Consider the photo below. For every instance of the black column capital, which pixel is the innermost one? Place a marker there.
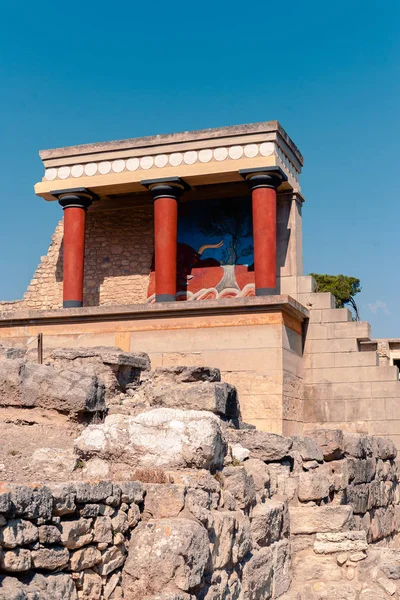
(74, 198)
(263, 177)
(166, 187)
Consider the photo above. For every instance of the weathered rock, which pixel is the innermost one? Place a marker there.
(259, 471)
(240, 485)
(262, 445)
(49, 534)
(230, 538)
(186, 374)
(345, 541)
(159, 438)
(330, 441)
(85, 558)
(384, 448)
(103, 531)
(257, 577)
(163, 500)
(31, 503)
(50, 461)
(166, 552)
(361, 470)
(314, 485)
(307, 448)
(50, 559)
(18, 532)
(93, 492)
(320, 519)
(92, 586)
(132, 491)
(269, 522)
(114, 368)
(64, 495)
(239, 453)
(29, 385)
(282, 568)
(15, 561)
(390, 563)
(219, 398)
(39, 587)
(77, 533)
(111, 559)
(357, 445)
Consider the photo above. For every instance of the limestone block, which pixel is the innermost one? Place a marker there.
(307, 448)
(325, 344)
(330, 441)
(85, 558)
(103, 531)
(307, 566)
(259, 471)
(345, 541)
(230, 538)
(93, 492)
(159, 438)
(163, 500)
(165, 552)
(320, 519)
(40, 587)
(317, 300)
(111, 559)
(30, 502)
(18, 532)
(186, 374)
(330, 315)
(282, 568)
(15, 561)
(384, 448)
(357, 445)
(390, 563)
(314, 485)
(63, 495)
(269, 522)
(49, 534)
(50, 559)
(358, 497)
(92, 586)
(76, 533)
(361, 470)
(219, 398)
(241, 485)
(262, 445)
(29, 385)
(257, 576)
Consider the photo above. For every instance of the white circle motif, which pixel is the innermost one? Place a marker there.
(267, 148)
(205, 156)
(50, 174)
(105, 167)
(118, 165)
(220, 154)
(64, 172)
(132, 164)
(161, 160)
(236, 152)
(251, 150)
(190, 157)
(146, 162)
(175, 159)
(77, 171)
(90, 169)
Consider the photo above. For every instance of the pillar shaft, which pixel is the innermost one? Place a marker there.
(165, 193)
(74, 202)
(264, 234)
(74, 256)
(165, 247)
(264, 183)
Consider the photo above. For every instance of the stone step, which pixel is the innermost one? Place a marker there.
(340, 359)
(317, 300)
(360, 330)
(331, 315)
(350, 374)
(318, 346)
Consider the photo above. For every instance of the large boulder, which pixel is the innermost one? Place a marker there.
(320, 519)
(28, 385)
(163, 437)
(113, 367)
(165, 554)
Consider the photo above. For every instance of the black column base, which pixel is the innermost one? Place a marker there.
(72, 304)
(165, 298)
(265, 291)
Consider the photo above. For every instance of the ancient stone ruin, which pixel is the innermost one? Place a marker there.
(119, 481)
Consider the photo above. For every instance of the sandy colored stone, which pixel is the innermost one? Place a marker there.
(347, 541)
(319, 519)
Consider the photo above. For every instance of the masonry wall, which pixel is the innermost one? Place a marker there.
(118, 255)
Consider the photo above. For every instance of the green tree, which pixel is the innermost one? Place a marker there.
(343, 287)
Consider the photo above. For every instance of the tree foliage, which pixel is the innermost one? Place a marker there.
(343, 287)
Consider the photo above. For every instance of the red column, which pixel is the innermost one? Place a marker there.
(264, 235)
(165, 195)
(75, 205)
(264, 184)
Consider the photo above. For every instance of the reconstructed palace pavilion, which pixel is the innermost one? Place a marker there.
(189, 247)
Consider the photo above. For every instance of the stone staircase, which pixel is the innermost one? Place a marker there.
(344, 385)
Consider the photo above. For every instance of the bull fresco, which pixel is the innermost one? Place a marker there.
(215, 250)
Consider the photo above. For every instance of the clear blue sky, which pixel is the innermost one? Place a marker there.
(81, 72)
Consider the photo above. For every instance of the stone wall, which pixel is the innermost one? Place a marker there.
(118, 255)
